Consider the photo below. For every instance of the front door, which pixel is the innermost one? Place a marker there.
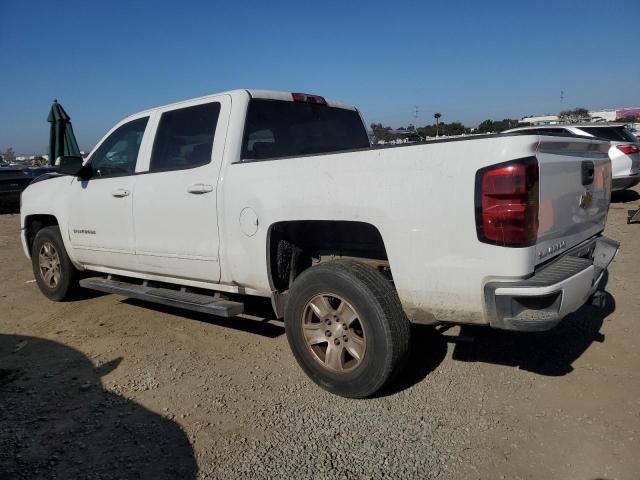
(174, 211)
(100, 212)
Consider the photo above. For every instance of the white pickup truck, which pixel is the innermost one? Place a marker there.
(280, 195)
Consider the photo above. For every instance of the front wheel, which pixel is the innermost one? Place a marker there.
(54, 273)
(346, 327)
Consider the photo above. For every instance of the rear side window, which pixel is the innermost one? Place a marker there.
(613, 134)
(185, 138)
(276, 128)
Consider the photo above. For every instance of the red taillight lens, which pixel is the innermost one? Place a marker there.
(507, 203)
(628, 149)
(303, 97)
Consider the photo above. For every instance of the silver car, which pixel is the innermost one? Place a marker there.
(624, 152)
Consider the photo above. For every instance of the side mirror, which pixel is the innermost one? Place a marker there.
(69, 165)
(74, 166)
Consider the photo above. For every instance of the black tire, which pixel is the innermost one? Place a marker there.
(67, 280)
(386, 337)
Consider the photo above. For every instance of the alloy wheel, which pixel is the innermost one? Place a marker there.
(49, 265)
(334, 333)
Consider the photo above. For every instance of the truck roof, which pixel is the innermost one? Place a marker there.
(252, 93)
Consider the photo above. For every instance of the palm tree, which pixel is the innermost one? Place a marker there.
(437, 116)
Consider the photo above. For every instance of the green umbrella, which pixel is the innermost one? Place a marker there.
(62, 141)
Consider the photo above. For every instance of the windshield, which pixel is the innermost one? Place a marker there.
(277, 128)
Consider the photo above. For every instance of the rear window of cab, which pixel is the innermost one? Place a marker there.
(278, 128)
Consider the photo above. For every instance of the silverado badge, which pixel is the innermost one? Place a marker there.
(556, 247)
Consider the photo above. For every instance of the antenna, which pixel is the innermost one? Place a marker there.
(415, 112)
(561, 96)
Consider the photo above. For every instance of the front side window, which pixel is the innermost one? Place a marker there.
(118, 154)
(185, 138)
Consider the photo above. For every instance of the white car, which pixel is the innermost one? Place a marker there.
(624, 151)
(280, 195)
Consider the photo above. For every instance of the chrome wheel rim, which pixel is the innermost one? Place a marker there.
(49, 265)
(334, 333)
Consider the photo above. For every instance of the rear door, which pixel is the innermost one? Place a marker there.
(575, 189)
(175, 218)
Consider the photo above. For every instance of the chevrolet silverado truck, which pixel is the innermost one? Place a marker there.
(201, 203)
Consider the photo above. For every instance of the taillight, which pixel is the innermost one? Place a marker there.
(305, 98)
(628, 149)
(507, 203)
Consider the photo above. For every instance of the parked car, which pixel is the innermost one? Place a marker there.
(624, 151)
(13, 180)
(280, 195)
(36, 172)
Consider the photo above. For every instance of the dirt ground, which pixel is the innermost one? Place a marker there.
(105, 387)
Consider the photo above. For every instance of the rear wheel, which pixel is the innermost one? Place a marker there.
(346, 328)
(54, 273)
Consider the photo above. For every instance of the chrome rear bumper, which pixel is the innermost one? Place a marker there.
(554, 291)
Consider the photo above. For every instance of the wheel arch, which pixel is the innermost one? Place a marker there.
(295, 245)
(33, 224)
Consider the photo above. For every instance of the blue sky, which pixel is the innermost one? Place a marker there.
(468, 60)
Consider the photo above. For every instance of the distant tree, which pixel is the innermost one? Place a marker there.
(9, 155)
(437, 116)
(411, 128)
(381, 132)
(576, 115)
(491, 126)
(486, 126)
(453, 128)
(427, 131)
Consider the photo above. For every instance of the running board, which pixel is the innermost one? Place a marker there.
(215, 305)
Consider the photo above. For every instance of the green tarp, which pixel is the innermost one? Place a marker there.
(62, 141)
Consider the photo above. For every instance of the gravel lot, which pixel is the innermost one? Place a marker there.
(109, 388)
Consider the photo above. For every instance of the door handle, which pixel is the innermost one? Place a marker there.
(120, 192)
(200, 188)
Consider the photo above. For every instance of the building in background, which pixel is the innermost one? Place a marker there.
(614, 115)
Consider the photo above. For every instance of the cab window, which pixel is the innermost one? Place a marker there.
(118, 154)
(185, 138)
(277, 128)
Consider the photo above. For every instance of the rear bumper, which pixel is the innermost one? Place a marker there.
(556, 290)
(621, 183)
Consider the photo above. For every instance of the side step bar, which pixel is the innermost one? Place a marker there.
(215, 305)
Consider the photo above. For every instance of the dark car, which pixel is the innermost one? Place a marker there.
(13, 180)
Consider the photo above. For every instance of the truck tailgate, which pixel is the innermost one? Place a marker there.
(575, 191)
